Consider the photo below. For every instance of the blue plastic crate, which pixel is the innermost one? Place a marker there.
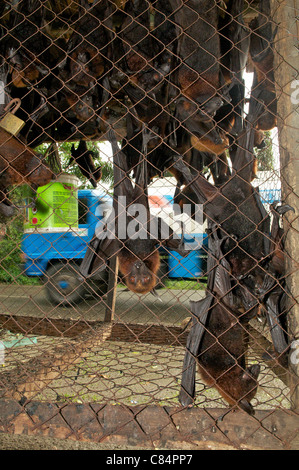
(193, 265)
(268, 196)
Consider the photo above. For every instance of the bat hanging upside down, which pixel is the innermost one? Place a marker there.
(84, 159)
(262, 56)
(216, 342)
(137, 252)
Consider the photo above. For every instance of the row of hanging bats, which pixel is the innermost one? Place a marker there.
(171, 73)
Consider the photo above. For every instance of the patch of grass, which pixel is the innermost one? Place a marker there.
(186, 284)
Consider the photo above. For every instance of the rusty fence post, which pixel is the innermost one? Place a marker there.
(285, 14)
(112, 285)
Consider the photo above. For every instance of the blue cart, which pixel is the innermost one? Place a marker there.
(192, 266)
(56, 256)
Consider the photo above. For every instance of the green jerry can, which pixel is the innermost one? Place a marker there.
(56, 206)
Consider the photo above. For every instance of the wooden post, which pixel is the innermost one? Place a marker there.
(285, 14)
(112, 284)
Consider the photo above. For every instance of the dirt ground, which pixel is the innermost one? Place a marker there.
(171, 308)
(119, 372)
(12, 442)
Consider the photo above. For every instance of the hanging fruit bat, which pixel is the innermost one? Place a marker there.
(216, 341)
(26, 44)
(88, 45)
(262, 56)
(138, 255)
(198, 77)
(143, 54)
(84, 159)
(234, 46)
(272, 292)
(199, 53)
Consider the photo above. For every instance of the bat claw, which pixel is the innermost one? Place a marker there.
(222, 4)
(155, 294)
(185, 399)
(284, 209)
(210, 108)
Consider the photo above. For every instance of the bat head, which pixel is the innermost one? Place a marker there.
(191, 111)
(140, 279)
(140, 269)
(239, 386)
(81, 104)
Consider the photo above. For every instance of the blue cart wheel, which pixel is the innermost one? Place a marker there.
(64, 286)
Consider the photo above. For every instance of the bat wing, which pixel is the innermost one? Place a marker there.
(219, 280)
(166, 237)
(243, 159)
(98, 254)
(106, 244)
(200, 311)
(276, 330)
(122, 183)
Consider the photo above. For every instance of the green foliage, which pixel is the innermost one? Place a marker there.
(68, 166)
(10, 245)
(186, 284)
(10, 260)
(265, 156)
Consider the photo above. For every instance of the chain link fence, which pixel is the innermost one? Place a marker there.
(149, 222)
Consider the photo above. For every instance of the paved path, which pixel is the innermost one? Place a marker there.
(171, 307)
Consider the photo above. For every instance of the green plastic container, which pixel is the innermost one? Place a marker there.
(56, 208)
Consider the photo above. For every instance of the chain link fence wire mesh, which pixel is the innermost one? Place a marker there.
(149, 217)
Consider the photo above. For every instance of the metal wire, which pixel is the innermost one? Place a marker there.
(179, 99)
